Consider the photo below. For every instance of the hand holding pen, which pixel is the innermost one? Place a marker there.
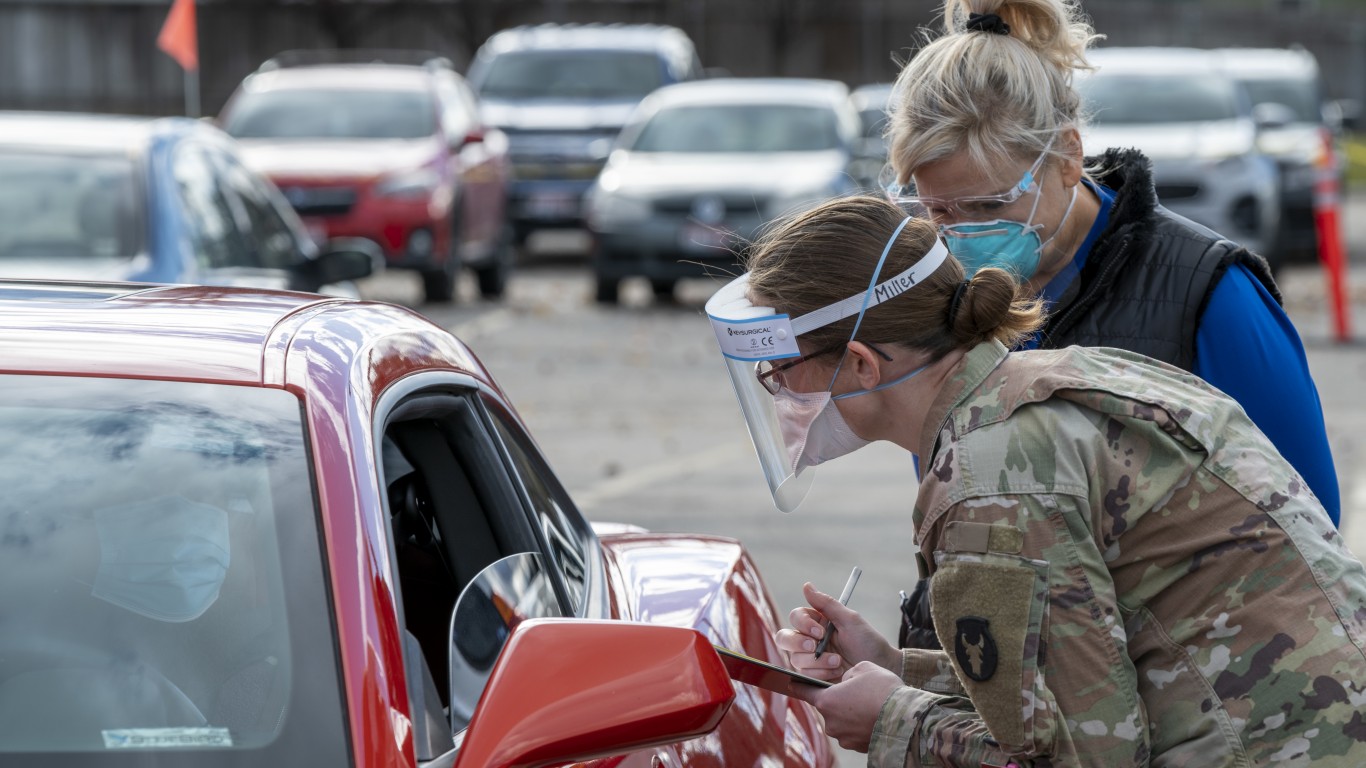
(847, 593)
(812, 626)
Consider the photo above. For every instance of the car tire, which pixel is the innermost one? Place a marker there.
(438, 285)
(607, 290)
(663, 289)
(493, 277)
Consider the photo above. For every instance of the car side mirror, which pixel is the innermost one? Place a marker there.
(570, 690)
(1272, 115)
(350, 258)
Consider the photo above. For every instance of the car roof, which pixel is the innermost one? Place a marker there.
(1246, 63)
(1153, 60)
(871, 96)
(643, 37)
(188, 333)
(751, 90)
(377, 76)
(113, 134)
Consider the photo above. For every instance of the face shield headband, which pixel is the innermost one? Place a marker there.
(749, 334)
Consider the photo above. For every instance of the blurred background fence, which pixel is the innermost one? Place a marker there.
(101, 54)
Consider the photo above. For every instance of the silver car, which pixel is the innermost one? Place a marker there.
(1299, 133)
(702, 166)
(1182, 110)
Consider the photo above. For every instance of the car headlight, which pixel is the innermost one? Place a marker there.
(607, 212)
(413, 184)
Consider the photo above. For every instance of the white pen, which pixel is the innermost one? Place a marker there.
(844, 600)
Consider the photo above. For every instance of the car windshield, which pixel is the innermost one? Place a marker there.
(1300, 95)
(739, 128)
(1129, 99)
(147, 613)
(68, 206)
(573, 75)
(333, 113)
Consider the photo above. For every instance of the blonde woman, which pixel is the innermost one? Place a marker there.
(984, 139)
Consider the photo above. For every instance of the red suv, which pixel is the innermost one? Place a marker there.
(387, 151)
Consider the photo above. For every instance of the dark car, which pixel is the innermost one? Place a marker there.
(561, 93)
(392, 152)
(100, 197)
(245, 528)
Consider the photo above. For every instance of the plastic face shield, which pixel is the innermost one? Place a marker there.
(750, 334)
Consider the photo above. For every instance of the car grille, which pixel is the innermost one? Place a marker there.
(320, 201)
(734, 205)
(556, 170)
(1170, 191)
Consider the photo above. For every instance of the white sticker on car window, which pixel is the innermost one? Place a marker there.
(166, 738)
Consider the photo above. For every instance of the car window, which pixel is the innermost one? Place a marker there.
(148, 600)
(68, 206)
(272, 242)
(454, 511)
(584, 74)
(459, 111)
(1301, 95)
(552, 507)
(333, 113)
(209, 216)
(739, 128)
(1128, 99)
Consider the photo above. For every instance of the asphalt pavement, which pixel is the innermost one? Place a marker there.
(634, 411)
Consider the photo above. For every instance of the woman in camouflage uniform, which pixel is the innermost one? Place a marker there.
(1124, 571)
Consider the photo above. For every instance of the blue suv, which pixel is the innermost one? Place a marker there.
(561, 93)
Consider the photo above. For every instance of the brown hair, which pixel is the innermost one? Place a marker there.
(827, 254)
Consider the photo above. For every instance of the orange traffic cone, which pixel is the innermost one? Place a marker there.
(1328, 228)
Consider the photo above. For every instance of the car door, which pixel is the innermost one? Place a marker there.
(467, 493)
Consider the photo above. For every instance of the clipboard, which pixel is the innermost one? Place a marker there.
(771, 677)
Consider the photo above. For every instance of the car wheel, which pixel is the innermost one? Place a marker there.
(438, 285)
(493, 277)
(663, 289)
(607, 290)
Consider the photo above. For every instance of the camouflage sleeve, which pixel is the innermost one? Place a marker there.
(1025, 609)
(930, 670)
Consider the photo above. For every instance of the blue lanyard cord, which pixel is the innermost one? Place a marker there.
(868, 295)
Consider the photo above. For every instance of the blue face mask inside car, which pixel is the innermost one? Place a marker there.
(165, 558)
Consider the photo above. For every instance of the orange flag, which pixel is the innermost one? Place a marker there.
(179, 38)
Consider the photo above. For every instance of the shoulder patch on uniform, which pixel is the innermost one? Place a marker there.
(975, 648)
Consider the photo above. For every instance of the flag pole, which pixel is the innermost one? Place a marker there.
(192, 92)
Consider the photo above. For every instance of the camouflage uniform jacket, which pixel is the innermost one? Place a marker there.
(1124, 573)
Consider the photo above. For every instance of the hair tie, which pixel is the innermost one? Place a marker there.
(987, 22)
(957, 300)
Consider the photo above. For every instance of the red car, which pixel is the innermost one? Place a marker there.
(255, 528)
(391, 152)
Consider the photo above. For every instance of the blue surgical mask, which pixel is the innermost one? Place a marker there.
(165, 558)
(1009, 245)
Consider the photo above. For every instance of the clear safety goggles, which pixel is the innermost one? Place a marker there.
(954, 209)
(756, 340)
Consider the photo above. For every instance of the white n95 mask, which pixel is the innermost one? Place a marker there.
(164, 559)
(814, 430)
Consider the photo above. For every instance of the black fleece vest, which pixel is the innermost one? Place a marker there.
(1150, 274)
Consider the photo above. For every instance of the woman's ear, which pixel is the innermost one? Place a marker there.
(862, 362)
(1073, 157)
